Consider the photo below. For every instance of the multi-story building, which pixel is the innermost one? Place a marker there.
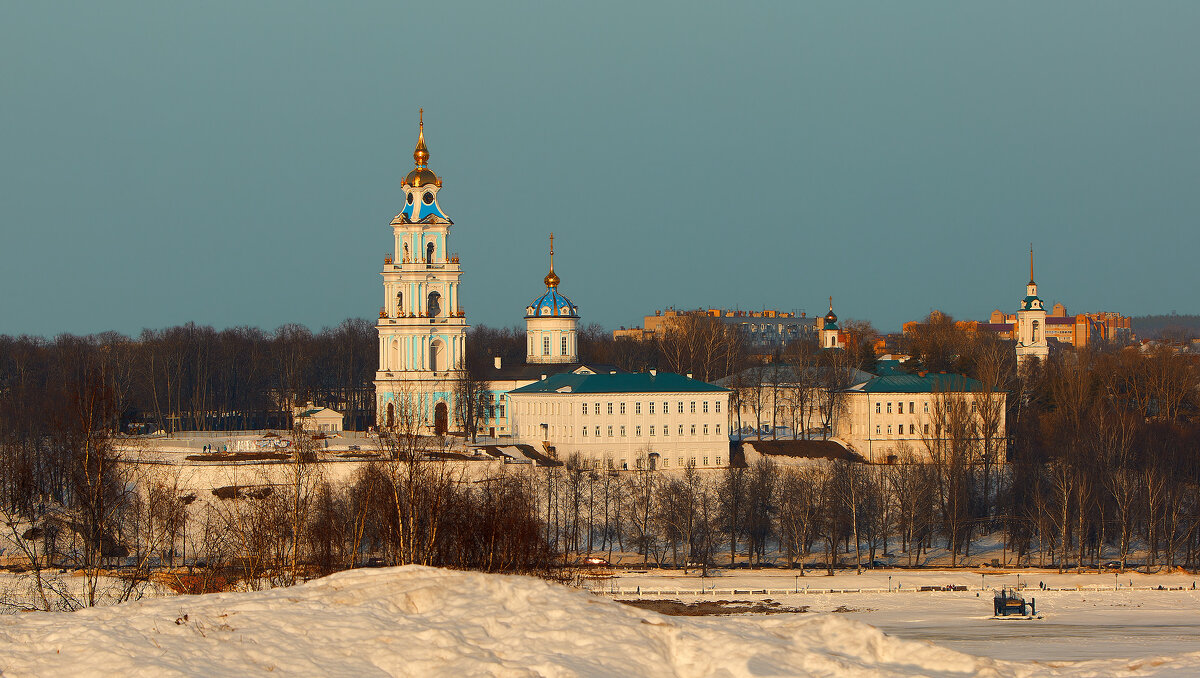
(779, 400)
(655, 420)
(761, 330)
(1076, 330)
(887, 415)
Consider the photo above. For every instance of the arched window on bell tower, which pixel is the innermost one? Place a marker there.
(434, 305)
(437, 357)
(429, 253)
(399, 303)
(1035, 331)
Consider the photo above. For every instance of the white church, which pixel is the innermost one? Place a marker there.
(422, 335)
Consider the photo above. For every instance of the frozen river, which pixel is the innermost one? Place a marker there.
(1131, 621)
(1047, 640)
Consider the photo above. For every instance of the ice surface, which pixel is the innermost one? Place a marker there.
(415, 621)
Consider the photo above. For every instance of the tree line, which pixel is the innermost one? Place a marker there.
(1097, 460)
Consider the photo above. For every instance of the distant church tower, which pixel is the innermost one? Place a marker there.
(550, 324)
(422, 327)
(829, 334)
(1031, 323)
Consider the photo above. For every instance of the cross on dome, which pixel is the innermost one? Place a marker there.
(551, 278)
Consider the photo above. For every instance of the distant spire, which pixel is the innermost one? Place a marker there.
(831, 302)
(1031, 262)
(551, 279)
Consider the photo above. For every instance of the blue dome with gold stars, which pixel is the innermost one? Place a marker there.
(551, 304)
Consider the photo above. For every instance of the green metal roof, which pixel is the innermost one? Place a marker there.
(635, 382)
(888, 368)
(914, 383)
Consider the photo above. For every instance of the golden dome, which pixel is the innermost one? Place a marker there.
(422, 176)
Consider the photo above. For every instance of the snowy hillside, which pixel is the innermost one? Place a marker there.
(415, 621)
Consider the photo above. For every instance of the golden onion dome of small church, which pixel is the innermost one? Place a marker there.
(421, 175)
(831, 317)
(551, 278)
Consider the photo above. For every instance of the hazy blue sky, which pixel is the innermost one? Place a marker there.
(239, 163)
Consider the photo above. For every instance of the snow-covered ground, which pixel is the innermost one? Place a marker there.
(415, 621)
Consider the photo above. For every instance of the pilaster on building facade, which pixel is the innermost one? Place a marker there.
(422, 326)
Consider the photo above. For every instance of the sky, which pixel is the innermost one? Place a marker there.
(240, 163)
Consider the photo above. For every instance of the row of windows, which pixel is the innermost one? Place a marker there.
(666, 407)
(912, 429)
(637, 430)
(911, 407)
(643, 463)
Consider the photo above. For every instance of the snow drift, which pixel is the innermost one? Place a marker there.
(416, 621)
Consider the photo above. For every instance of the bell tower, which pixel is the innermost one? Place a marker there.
(829, 333)
(1031, 323)
(422, 326)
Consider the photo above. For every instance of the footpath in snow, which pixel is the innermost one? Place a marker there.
(415, 621)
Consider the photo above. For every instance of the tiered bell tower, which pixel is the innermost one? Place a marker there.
(1031, 323)
(422, 326)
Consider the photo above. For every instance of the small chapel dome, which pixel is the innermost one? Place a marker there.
(830, 317)
(551, 304)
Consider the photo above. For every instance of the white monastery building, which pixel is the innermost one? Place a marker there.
(625, 421)
(888, 415)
